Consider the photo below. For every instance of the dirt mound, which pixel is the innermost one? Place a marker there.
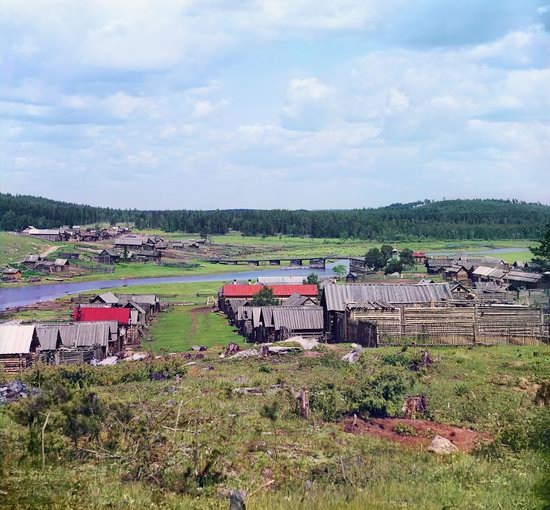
(414, 433)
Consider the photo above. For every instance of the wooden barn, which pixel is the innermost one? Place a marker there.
(107, 256)
(337, 297)
(18, 346)
(276, 323)
(44, 234)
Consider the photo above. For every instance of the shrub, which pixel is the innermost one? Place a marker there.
(379, 395)
(270, 410)
(405, 430)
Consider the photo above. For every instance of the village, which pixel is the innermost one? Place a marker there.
(439, 301)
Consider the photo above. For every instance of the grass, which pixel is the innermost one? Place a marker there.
(14, 248)
(287, 462)
(181, 327)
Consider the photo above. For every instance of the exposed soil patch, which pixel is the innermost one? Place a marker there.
(464, 439)
(195, 312)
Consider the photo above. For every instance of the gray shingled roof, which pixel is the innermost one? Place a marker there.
(298, 318)
(335, 297)
(16, 338)
(49, 337)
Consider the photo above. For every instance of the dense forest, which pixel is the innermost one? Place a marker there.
(448, 219)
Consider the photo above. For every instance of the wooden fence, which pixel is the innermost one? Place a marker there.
(482, 325)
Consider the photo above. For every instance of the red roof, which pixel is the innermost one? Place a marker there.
(246, 291)
(419, 254)
(122, 315)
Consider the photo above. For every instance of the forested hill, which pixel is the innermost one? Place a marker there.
(449, 219)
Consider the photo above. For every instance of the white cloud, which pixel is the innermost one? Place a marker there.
(362, 93)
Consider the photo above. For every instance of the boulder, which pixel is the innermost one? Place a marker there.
(442, 446)
(353, 355)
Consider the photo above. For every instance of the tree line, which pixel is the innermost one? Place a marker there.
(448, 219)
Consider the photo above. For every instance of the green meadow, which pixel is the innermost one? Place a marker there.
(189, 441)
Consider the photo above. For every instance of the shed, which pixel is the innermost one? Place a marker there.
(62, 263)
(11, 274)
(18, 345)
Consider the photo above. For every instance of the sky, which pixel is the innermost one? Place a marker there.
(301, 104)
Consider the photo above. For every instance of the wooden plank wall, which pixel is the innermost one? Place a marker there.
(510, 325)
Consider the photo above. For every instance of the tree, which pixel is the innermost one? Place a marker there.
(264, 298)
(542, 252)
(406, 256)
(374, 259)
(393, 266)
(386, 252)
(125, 253)
(312, 279)
(340, 270)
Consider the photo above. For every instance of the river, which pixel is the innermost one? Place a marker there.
(22, 296)
(28, 295)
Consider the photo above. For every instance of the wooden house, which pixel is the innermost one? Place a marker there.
(135, 243)
(107, 256)
(31, 260)
(106, 298)
(456, 273)
(69, 255)
(145, 256)
(50, 343)
(18, 346)
(88, 236)
(61, 265)
(150, 303)
(82, 341)
(518, 279)
(44, 234)
(11, 274)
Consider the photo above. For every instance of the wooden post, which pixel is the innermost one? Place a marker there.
(43, 438)
(476, 326)
(402, 320)
(304, 403)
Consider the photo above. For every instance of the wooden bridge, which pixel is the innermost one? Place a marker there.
(313, 262)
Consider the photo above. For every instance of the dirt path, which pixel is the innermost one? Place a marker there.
(195, 312)
(464, 439)
(50, 250)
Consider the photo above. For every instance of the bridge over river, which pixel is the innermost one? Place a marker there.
(313, 262)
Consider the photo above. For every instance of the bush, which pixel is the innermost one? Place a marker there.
(405, 430)
(82, 376)
(380, 395)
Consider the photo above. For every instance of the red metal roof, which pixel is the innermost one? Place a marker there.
(122, 315)
(419, 254)
(245, 291)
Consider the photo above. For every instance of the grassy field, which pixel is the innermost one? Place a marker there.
(187, 443)
(181, 327)
(14, 248)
